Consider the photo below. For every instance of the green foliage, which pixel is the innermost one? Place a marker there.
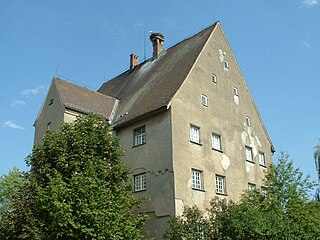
(192, 225)
(79, 187)
(285, 212)
(316, 155)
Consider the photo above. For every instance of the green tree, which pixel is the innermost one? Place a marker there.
(283, 211)
(78, 186)
(16, 219)
(316, 155)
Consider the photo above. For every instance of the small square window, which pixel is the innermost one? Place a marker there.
(251, 187)
(235, 91)
(140, 182)
(139, 136)
(197, 179)
(264, 191)
(248, 121)
(194, 134)
(262, 159)
(216, 141)
(214, 78)
(204, 100)
(249, 156)
(220, 184)
(226, 64)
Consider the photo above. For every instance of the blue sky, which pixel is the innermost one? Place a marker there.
(276, 43)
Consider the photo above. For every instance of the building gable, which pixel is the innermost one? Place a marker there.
(151, 85)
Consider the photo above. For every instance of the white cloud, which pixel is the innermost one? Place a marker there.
(112, 28)
(310, 3)
(138, 25)
(306, 44)
(33, 91)
(17, 103)
(12, 124)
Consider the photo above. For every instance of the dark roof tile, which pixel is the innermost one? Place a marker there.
(152, 84)
(82, 99)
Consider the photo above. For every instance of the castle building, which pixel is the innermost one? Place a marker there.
(186, 121)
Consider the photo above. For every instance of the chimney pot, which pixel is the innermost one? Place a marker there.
(134, 60)
(157, 40)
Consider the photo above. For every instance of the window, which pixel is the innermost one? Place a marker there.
(262, 159)
(194, 134)
(249, 154)
(251, 187)
(214, 78)
(226, 64)
(48, 126)
(216, 141)
(220, 184)
(248, 121)
(139, 136)
(197, 179)
(264, 191)
(140, 183)
(51, 101)
(204, 100)
(235, 91)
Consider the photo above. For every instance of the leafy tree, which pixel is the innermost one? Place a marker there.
(78, 187)
(283, 212)
(316, 155)
(15, 206)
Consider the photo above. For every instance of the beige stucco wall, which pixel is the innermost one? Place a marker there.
(224, 115)
(53, 113)
(155, 159)
(70, 116)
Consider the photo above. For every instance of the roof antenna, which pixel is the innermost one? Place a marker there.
(144, 45)
(57, 70)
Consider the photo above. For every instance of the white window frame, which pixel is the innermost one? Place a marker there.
(251, 187)
(204, 100)
(226, 64)
(216, 141)
(214, 78)
(248, 121)
(221, 184)
(264, 191)
(262, 159)
(140, 182)
(197, 181)
(248, 154)
(194, 134)
(49, 126)
(139, 136)
(235, 91)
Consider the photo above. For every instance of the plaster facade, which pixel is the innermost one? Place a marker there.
(215, 99)
(51, 113)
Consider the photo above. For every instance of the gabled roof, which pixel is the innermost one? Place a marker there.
(150, 86)
(83, 100)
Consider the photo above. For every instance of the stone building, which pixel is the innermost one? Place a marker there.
(186, 120)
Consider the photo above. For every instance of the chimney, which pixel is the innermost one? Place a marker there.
(134, 60)
(157, 40)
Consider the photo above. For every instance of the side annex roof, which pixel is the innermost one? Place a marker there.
(83, 100)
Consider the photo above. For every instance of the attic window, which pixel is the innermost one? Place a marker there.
(226, 64)
(51, 101)
(204, 100)
(214, 78)
(235, 91)
(248, 121)
(48, 126)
